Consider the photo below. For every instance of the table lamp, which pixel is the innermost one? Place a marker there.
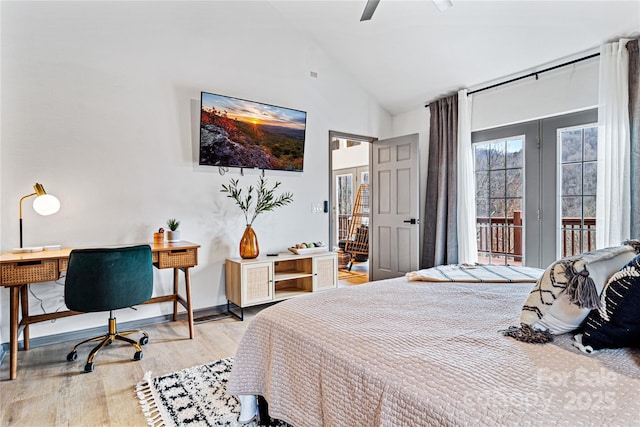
(44, 204)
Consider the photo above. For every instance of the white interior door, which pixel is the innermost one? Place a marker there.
(394, 247)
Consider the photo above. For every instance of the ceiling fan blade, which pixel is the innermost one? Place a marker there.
(443, 5)
(369, 8)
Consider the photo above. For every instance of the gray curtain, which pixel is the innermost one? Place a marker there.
(634, 124)
(440, 245)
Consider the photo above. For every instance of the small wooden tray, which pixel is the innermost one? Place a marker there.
(309, 250)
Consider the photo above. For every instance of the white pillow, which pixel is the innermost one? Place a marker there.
(569, 289)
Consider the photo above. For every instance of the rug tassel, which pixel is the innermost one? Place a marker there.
(150, 410)
(197, 394)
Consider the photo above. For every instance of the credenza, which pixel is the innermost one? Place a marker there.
(275, 278)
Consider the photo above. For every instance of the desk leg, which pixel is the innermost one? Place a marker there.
(187, 285)
(176, 279)
(24, 303)
(14, 296)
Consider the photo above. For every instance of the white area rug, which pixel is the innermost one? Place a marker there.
(190, 397)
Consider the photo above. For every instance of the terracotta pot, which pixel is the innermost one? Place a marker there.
(158, 238)
(249, 244)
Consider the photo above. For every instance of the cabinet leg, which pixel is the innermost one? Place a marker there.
(240, 316)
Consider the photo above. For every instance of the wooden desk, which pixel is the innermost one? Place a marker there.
(18, 270)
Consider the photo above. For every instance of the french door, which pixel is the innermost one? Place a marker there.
(535, 189)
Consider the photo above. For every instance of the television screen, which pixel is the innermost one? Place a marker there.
(246, 134)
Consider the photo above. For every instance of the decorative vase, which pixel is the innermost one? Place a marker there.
(173, 236)
(249, 244)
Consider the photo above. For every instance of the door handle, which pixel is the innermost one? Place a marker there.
(412, 221)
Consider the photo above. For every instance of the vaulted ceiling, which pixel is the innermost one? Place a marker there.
(410, 53)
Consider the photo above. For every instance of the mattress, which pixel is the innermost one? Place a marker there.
(400, 353)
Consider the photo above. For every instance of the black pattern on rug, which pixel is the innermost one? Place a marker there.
(191, 397)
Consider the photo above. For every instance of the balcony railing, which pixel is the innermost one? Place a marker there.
(578, 238)
(503, 236)
(500, 236)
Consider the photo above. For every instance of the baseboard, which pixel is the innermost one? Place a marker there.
(205, 313)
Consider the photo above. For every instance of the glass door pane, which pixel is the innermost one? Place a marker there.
(499, 200)
(577, 177)
(344, 203)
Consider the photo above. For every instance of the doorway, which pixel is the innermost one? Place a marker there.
(349, 199)
(536, 189)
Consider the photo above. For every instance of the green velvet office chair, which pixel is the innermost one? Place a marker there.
(105, 280)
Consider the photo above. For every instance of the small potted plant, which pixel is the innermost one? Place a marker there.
(173, 235)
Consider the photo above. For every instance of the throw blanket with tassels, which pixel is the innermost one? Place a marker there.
(476, 274)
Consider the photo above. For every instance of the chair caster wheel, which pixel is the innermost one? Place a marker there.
(88, 367)
(137, 356)
(144, 341)
(72, 356)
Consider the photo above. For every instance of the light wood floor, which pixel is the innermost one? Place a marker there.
(359, 274)
(51, 391)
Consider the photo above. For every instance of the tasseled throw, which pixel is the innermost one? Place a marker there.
(581, 288)
(635, 244)
(526, 333)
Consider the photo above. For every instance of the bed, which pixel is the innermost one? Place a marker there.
(405, 353)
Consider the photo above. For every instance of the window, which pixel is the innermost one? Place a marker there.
(364, 177)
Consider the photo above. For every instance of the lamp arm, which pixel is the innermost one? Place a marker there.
(25, 197)
(21, 199)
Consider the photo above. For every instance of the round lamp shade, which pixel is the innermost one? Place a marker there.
(46, 204)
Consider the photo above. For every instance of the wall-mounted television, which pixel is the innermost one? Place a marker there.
(246, 134)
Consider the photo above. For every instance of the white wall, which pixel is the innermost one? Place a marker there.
(100, 103)
(567, 89)
(349, 157)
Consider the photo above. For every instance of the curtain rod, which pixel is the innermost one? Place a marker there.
(532, 74)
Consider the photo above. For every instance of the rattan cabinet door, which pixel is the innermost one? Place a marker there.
(325, 272)
(257, 283)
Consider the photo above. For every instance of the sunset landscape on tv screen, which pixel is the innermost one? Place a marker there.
(239, 133)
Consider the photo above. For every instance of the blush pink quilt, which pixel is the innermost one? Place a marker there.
(400, 353)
